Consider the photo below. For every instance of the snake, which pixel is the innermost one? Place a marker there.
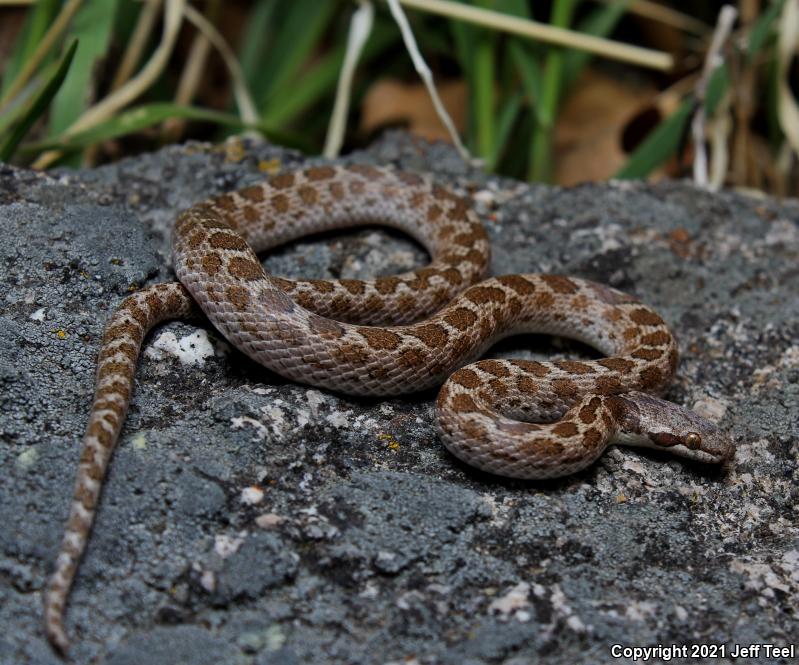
(397, 334)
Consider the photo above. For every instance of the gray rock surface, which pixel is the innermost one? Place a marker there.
(250, 520)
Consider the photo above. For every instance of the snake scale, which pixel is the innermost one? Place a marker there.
(399, 334)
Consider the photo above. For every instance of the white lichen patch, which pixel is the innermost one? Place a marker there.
(139, 442)
(239, 422)
(513, 600)
(252, 495)
(767, 579)
(27, 458)
(269, 520)
(640, 610)
(38, 315)
(225, 545)
(192, 350)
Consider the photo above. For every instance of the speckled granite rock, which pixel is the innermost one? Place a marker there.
(250, 520)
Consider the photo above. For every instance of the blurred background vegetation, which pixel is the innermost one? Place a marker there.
(88, 81)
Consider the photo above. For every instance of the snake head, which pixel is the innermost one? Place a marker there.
(655, 423)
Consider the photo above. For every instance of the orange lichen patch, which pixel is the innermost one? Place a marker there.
(320, 173)
(238, 296)
(647, 354)
(619, 365)
(222, 240)
(308, 194)
(481, 295)
(574, 367)
(211, 263)
(565, 429)
(646, 317)
(559, 284)
(431, 335)
(280, 203)
(354, 286)
(518, 283)
(244, 268)
(254, 193)
(380, 339)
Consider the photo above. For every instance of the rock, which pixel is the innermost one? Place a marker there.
(381, 546)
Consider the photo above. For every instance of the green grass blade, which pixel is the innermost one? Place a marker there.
(39, 105)
(36, 24)
(300, 31)
(483, 103)
(255, 46)
(464, 36)
(599, 23)
(321, 79)
(541, 149)
(506, 120)
(149, 115)
(92, 26)
(134, 120)
(762, 28)
(659, 145)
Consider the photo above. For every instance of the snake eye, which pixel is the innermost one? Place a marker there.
(693, 440)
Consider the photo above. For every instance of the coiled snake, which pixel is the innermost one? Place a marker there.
(514, 418)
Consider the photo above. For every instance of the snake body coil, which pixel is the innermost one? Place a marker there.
(515, 418)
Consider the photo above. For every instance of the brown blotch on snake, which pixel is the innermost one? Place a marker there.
(364, 357)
